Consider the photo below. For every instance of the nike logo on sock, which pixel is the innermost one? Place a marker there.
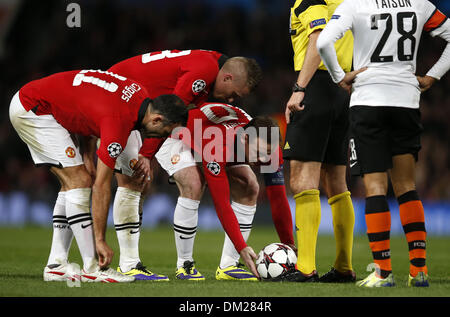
(85, 226)
(184, 238)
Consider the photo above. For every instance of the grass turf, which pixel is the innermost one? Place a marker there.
(24, 253)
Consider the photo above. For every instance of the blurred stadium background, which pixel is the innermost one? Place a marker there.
(35, 41)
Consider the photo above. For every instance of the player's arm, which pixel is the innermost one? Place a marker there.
(438, 25)
(101, 197)
(314, 18)
(341, 22)
(195, 80)
(220, 192)
(113, 141)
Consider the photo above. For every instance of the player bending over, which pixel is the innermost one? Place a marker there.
(195, 76)
(46, 113)
(219, 135)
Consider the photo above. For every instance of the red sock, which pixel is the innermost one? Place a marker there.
(281, 213)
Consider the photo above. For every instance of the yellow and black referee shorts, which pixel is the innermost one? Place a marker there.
(320, 132)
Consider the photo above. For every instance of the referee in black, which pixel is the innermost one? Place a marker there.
(317, 143)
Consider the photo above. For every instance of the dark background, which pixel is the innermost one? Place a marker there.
(38, 42)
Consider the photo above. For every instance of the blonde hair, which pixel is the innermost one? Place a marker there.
(246, 67)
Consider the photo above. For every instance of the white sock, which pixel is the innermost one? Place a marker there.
(62, 234)
(127, 224)
(244, 215)
(80, 221)
(185, 220)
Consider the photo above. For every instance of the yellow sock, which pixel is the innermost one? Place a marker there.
(343, 223)
(307, 221)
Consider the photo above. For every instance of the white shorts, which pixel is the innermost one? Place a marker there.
(48, 141)
(51, 144)
(174, 156)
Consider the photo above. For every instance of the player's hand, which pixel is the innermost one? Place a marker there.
(294, 104)
(249, 257)
(425, 82)
(347, 82)
(105, 254)
(142, 169)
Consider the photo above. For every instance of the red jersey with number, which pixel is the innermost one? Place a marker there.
(211, 134)
(90, 102)
(189, 74)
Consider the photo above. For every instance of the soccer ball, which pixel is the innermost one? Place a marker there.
(274, 260)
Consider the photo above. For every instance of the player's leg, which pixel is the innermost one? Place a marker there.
(371, 160)
(339, 199)
(304, 182)
(412, 217)
(406, 145)
(279, 205)
(334, 172)
(190, 183)
(244, 188)
(127, 212)
(77, 182)
(62, 234)
(177, 160)
(307, 137)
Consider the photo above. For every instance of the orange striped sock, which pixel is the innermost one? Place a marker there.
(378, 221)
(413, 221)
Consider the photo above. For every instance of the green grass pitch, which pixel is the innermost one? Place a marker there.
(24, 253)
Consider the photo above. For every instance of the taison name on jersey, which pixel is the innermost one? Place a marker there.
(387, 4)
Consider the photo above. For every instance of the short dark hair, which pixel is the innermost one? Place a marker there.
(171, 107)
(264, 122)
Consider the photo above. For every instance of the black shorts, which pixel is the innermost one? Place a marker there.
(319, 133)
(379, 133)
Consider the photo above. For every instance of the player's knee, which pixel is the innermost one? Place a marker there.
(297, 186)
(191, 188)
(129, 182)
(84, 180)
(403, 187)
(73, 177)
(252, 188)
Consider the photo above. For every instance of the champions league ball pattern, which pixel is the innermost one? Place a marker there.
(114, 149)
(274, 260)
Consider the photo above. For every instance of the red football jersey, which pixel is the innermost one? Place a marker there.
(211, 134)
(90, 102)
(189, 74)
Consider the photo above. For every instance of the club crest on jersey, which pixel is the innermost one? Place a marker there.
(114, 149)
(70, 152)
(132, 163)
(198, 85)
(175, 159)
(213, 167)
